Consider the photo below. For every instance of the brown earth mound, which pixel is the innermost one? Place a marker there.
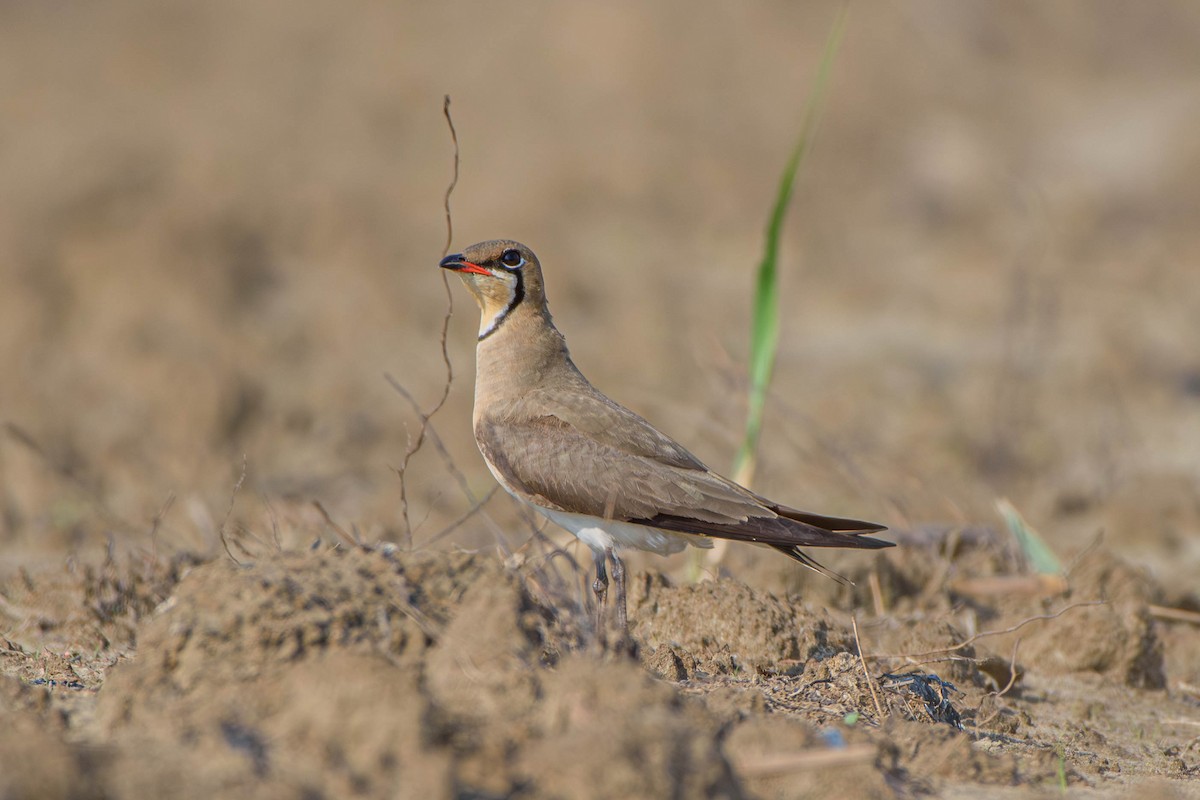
(374, 673)
(361, 673)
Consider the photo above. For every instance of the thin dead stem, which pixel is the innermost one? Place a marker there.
(1012, 680)
(452, 467)
(434, 438)
(71, 475)
(416, 615)
(229, 512)
(552, 553)
(338, 529)
(876, 592)
(1175, 614)
(245, 532)
(276, 538)
(788, 763)
(414, 445)
(863, 661)
(1012, 670)
(454, 179)
(1092, 546)
(985, 634)
(157, 522)
(475, 508)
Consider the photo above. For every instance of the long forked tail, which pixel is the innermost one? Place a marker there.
(845, 533)
(810, 562)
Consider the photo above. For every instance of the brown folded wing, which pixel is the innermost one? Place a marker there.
(653, 482)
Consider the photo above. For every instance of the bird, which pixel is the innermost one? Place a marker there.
(556, 443)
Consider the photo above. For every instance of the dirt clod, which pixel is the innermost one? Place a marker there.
(729, 627)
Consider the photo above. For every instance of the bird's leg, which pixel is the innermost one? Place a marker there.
(618, 573)
(600, 588)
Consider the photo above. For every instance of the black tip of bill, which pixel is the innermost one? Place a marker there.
(452, 261)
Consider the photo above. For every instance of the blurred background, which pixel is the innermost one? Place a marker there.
(220, 225)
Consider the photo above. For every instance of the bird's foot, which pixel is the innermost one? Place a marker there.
(600, 590)
(623, 643)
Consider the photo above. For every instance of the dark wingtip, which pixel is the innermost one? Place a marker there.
(835, 524)
(868, 543)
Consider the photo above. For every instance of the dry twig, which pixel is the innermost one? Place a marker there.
(1037, 585)
(415, 445)
(985, 634)
(1188, 688)
(1012, 669)
(476, 507)
(157, 521)
(863, 661)
(876, 592)
(276, 539)
(71, 474)
(432, 433)
(229, 512)
(783, 764)
(1175, 614)
(1012, 680)
(338, 529)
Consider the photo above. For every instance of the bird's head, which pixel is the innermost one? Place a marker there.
(502, 275)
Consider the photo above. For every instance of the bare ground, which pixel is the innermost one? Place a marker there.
(344, 671)
(219, 226)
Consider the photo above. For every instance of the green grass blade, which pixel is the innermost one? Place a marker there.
(764, 341)
(1037, 553)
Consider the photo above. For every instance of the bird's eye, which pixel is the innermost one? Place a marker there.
(511, 258)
